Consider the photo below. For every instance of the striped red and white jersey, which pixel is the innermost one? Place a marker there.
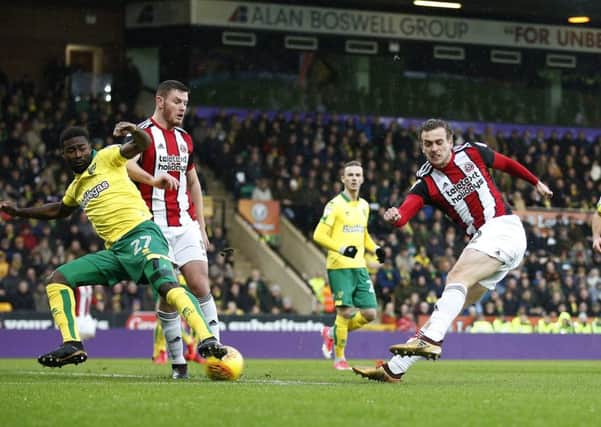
(464, 189)
(170, 152)
(83, 300)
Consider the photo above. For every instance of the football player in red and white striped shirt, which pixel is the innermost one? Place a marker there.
(457, 181)
(169, 184)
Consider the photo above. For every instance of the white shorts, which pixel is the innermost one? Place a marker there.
(86, 325)
(185, 243)
(502, 238)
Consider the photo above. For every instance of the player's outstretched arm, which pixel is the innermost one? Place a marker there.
(140, 139)
(518, 170)
(408, 209)
(138, 174)
(48, 211)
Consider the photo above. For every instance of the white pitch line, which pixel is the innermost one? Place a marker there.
(166, 380)
(86, 374)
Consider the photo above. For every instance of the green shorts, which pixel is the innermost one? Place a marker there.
(352, 287)
(141, 255)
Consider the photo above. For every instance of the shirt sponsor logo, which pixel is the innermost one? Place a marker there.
(465, 186)
(352, 229)
(173, 163)
(93, 193)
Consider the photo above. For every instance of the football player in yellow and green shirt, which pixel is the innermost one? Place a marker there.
(135, 247)
(343, 232)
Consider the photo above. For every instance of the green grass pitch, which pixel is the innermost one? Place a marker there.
(303, 393)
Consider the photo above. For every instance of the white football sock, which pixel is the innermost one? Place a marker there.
(209, 310)
(400, 364)
(447, 308)
(172, 328)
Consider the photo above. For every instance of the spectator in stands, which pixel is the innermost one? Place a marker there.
(564, 324)
(544, 324)
(12, 279)
(287, 307)
(22, 298)
(275, 300)
(501, 325)
(218, 243)
(262, 192)
(387, 278)
(481, 325)
(256, 279)
(388, 315)
(252, 302)
(521, 324)
(582, 324)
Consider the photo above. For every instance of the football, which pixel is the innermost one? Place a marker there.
(229, 368)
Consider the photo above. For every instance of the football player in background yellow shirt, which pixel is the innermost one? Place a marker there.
(342, 230)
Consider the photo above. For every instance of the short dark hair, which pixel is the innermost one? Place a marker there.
(432, 124)
(73, 132)
(168, 85)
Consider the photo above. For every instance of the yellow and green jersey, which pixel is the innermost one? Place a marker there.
(344, 223)
(599, 206)
(109, 198)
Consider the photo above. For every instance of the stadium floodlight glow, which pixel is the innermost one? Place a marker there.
(579, 19)
(108, 88)
(443, 4)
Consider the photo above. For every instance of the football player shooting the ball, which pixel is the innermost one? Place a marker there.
(457, 181)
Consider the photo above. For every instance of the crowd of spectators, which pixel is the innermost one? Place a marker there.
(410, 85)
(32, 172)
(298, 160)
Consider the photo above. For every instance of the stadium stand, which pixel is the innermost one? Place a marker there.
(301, 157)
(32, 171)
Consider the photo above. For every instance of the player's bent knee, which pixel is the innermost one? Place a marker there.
(165, 288)
(57, 277)
(346, 312)
(369, 314)
(200, 288)
(159, 272)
